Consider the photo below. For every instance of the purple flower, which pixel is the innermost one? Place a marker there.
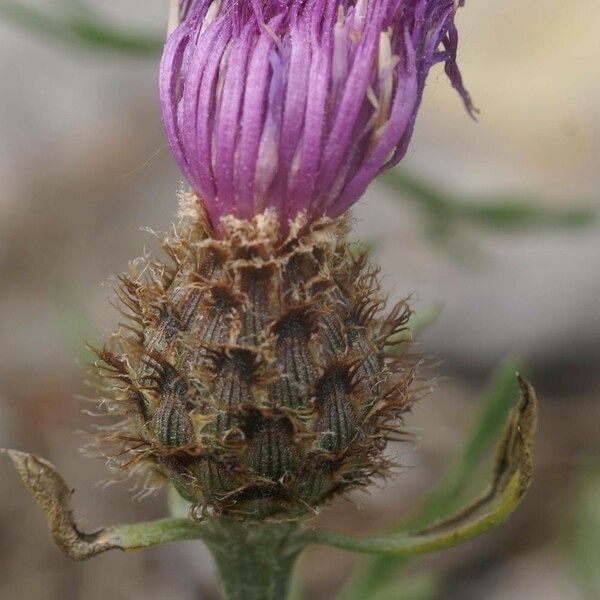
(296, 105)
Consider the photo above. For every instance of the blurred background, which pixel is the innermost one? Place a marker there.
(492, 226)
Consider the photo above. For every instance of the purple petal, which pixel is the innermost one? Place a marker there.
(297, 105)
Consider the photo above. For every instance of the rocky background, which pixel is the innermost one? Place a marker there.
(83, 165)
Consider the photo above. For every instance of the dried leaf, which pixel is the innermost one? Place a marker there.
(54, 497)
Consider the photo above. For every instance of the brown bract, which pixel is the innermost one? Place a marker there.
(260, 375)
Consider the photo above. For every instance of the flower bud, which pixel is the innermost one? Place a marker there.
(260, 376)
(296, 105)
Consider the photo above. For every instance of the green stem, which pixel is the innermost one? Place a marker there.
(153, 533)
(254, 561)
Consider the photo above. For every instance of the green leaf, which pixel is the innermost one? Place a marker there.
(416, 587)
(71, 319)
(510, 481)
(445, 211)
(495, 404)
(77, 24)
(31, 18)
(514, 213)
(583, 533)
(435, 203)
(422, 319)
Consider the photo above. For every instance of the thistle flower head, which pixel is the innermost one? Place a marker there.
(296, 105)
(262, 375)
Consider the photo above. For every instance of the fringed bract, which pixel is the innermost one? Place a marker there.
(259, 380)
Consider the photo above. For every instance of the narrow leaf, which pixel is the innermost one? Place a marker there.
(583, 533)
(511, 479)
(416, 587)
(81, 26)
(445, 210)
(495, 404)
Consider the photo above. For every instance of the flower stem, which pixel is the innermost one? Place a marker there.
(254, 561)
